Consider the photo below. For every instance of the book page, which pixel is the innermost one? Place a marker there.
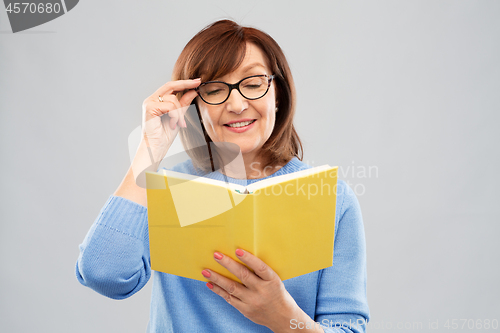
(196, 198)
(283, 178)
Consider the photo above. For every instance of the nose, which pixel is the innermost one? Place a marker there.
(236, 103)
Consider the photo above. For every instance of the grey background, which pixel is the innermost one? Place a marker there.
(409, 88)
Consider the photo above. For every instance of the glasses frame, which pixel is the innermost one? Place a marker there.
(237, 87)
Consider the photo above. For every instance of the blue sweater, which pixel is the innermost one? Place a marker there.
(114, 261)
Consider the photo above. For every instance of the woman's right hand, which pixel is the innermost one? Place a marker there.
(161, 120)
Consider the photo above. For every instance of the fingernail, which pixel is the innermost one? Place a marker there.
(239, 252)
(205, 273)
(217, 256)
(209, 285)
(197, 79)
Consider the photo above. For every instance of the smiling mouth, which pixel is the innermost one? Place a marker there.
(241, 124)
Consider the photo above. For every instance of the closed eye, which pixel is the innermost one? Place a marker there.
(214, 92)
(253, 86)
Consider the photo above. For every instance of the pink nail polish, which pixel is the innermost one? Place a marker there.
(205, 273)
(239, 252)
(217, 256)
(209, 285)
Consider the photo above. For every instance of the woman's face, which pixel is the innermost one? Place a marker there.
(237, 108)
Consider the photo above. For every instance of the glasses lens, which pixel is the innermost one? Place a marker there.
(254, 87)
(214, 92)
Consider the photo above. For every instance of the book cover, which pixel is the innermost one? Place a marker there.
(287, 221)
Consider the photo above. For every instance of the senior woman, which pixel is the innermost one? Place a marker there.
(241, 82)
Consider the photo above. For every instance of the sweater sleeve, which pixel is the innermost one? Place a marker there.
(114, 256)
(342, 304)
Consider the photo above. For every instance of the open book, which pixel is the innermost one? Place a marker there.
(288, 221)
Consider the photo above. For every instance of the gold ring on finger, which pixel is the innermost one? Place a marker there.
(160, 98)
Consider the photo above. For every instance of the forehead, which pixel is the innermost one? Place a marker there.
(254, 56)
(254, 61)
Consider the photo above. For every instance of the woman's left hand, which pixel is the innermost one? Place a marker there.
(261, 298)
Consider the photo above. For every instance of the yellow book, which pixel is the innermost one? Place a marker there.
(287, 221)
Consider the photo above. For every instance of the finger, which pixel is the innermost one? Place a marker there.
(176, 118)
(179, 112)
(176, 86)
(234, 301)
(182, 121)
(182, 106)
(172, 99)
(188, 97)
(240, 271)
(170, 106)
(176, 115)
(160, 108)
(259, 267)
(172, 123)
(186, 101)
(231, 287)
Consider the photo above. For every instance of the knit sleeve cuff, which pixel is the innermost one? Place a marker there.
(125, 216)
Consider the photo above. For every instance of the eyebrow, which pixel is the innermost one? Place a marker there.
(255, 64)
(245, 69)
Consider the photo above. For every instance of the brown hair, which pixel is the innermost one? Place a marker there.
(218, 50)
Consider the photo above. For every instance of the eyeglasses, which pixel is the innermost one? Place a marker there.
(252, 87)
